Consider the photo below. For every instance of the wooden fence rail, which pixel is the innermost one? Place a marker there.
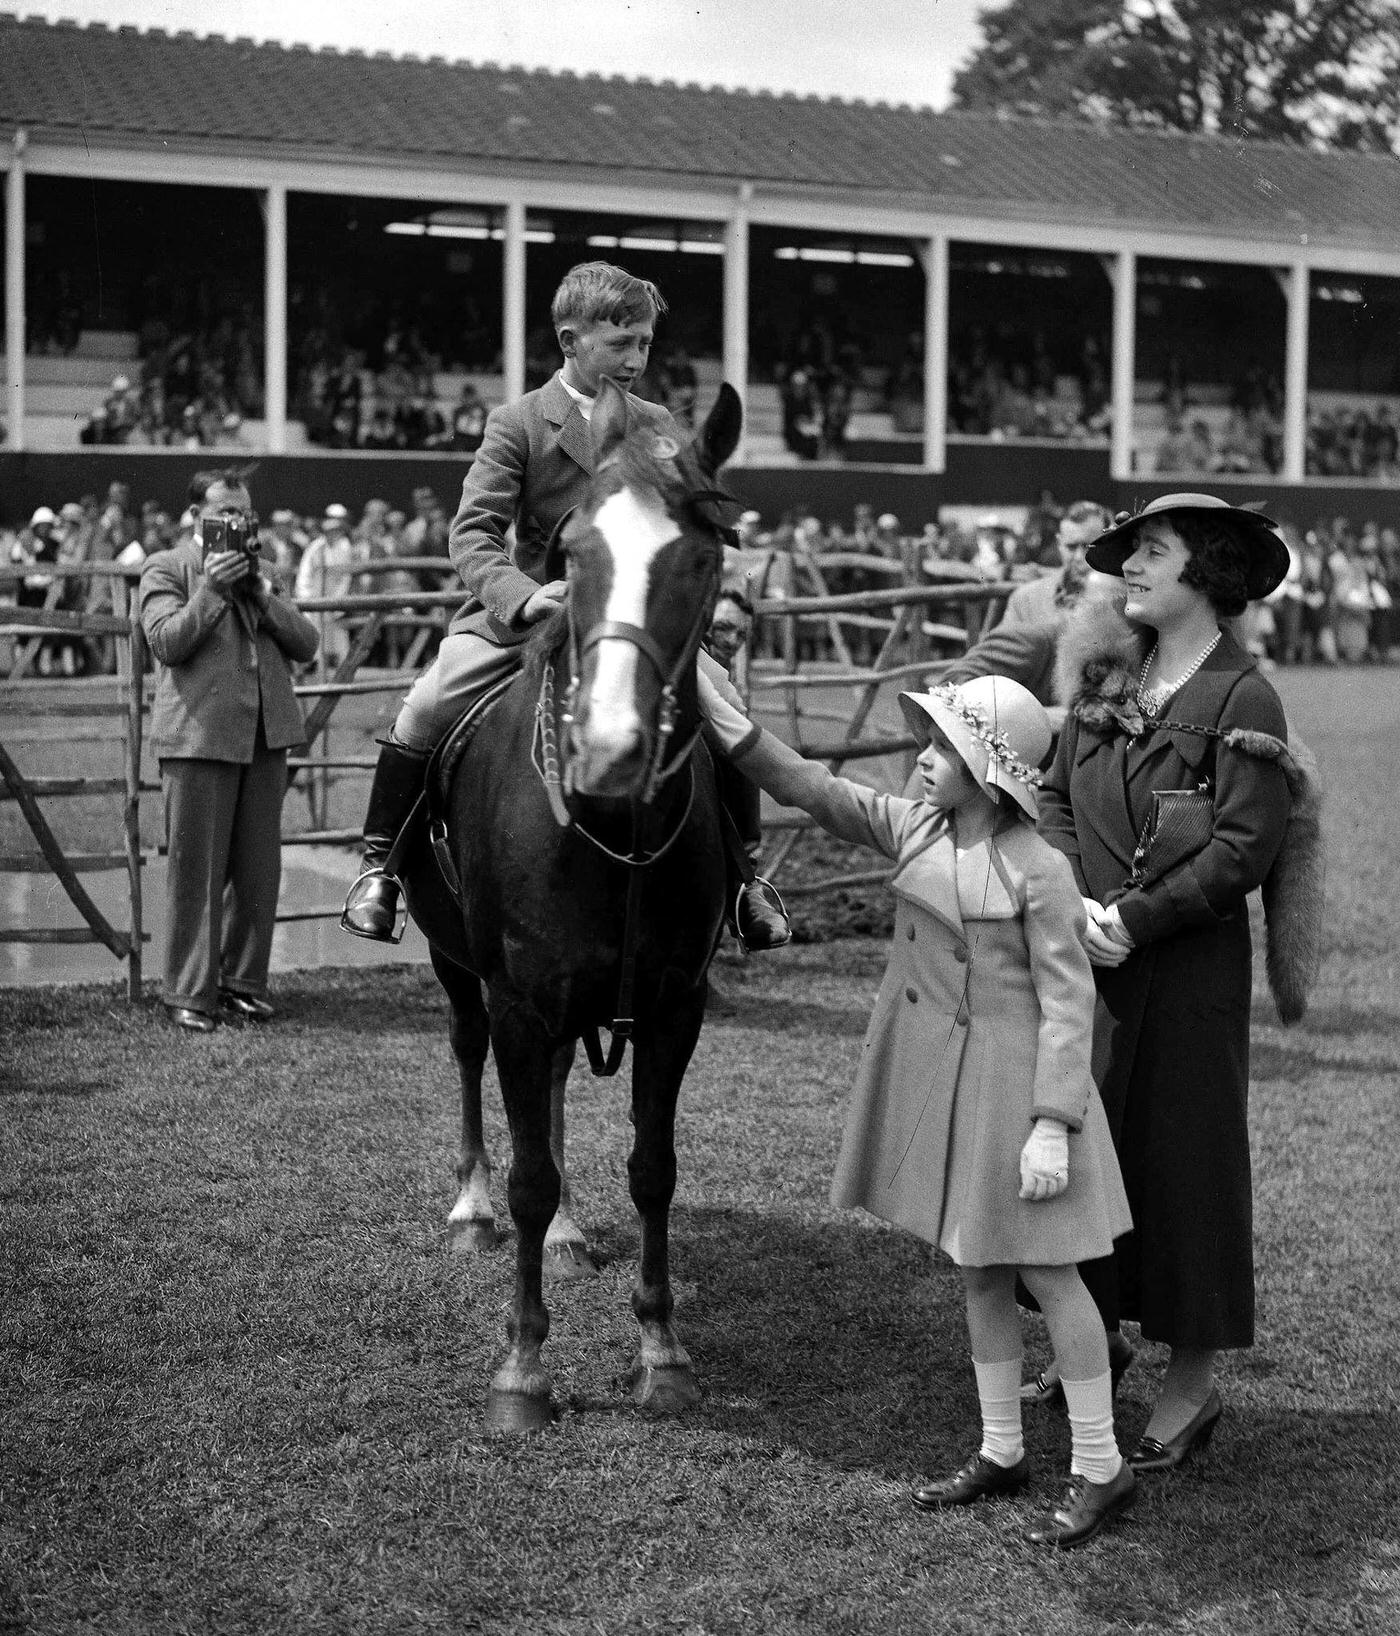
(899, 613)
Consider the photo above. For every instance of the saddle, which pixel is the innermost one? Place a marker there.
(437, 785)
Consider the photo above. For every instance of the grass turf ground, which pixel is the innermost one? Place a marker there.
(243, 1378)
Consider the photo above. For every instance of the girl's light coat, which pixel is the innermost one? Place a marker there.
(982, 1023)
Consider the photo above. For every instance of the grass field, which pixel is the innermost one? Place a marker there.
(243, 1377)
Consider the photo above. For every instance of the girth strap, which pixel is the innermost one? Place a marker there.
(621, 1025)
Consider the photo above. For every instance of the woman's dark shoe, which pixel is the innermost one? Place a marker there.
(1150, 1455)
(1083, 1509)
(979, 1479)
(1044, 1390)
(193, 1022)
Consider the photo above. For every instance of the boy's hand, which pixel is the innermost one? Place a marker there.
(544, 601)
(1045, 1160)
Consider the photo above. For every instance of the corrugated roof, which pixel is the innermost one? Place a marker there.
(109, 85)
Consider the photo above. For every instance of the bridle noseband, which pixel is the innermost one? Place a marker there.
(658, 768)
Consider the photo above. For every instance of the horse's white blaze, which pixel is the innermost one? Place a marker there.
(636, 530)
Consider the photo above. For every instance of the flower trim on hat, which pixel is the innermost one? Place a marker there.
(993, 743)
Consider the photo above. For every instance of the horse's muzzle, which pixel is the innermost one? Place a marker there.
(607, 761)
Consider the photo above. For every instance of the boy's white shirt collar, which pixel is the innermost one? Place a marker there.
(585, 404)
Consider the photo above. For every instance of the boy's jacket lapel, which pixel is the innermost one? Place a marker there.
(561, 411)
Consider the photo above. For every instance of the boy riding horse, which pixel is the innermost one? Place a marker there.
(532, 469)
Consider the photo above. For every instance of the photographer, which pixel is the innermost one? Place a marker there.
(223, 720)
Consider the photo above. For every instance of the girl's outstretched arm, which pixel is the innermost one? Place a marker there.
(850, 811)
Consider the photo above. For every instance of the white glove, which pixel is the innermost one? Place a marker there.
(730, 726)
(1045, 1160)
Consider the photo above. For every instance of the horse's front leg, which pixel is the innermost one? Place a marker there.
(566, 1253)
(521, 1395)
(471, 1223)
(663, 1380)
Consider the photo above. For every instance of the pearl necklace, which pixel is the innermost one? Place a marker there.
(1151, 699)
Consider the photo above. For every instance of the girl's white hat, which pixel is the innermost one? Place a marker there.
(998, 728)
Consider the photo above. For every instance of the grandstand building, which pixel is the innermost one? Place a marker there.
(934, 308)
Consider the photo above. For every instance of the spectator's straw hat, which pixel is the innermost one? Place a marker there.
(887, 519)
(121, 384)
(283, 514)
(42, 518)
(72, 512)
(998, 728)
(1268, 555)
(335, 513)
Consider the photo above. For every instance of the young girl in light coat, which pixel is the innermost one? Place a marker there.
(974, 1121)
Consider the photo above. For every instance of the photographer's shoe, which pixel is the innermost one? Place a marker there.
(246, 1007)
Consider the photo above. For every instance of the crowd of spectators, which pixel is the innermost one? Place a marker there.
(1340, 603)
(1012, 386)
(314, 556)
(1355, 442)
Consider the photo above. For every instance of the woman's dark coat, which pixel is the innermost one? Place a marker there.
(1171, 1032)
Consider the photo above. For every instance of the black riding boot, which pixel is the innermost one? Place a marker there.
(757, 915)
(372, 907)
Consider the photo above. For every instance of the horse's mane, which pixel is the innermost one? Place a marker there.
(546, 642)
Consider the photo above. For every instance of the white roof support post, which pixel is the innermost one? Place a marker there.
(14, 295)
(1124, 276)
(934, 255)
(513, 301)
(275, 317)
(736, 301)
(1297, 289)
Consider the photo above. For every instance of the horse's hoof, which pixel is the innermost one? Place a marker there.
(518, 1413)
(667, 1390)
(472, 1237)
(567, 1263)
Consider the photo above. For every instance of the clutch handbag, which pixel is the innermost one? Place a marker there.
(1178, 826)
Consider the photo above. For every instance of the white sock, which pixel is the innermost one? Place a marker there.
(1093, 1447)
(999, 1392)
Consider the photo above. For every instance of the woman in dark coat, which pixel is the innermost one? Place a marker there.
(1171, 949)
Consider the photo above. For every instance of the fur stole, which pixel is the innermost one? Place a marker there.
(1098, 662)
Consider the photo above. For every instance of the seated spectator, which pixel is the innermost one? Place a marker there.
(381, 433)
(802, 423)
(680, 385)
(1174, 452)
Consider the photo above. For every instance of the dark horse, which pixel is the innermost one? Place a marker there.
(583, 827)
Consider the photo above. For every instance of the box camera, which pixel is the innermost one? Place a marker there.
(231, 534)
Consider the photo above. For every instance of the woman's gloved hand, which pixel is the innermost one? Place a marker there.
(1045, 1160)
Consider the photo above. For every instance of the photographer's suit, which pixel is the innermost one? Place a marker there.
(223, 720)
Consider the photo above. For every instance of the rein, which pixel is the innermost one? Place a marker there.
(554, 773)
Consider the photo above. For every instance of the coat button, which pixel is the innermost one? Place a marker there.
(961, 1018)
(960, 953)
(910, 934)
(912, 994)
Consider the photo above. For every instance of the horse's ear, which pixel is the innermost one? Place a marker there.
(609, 422)
(719, 437)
